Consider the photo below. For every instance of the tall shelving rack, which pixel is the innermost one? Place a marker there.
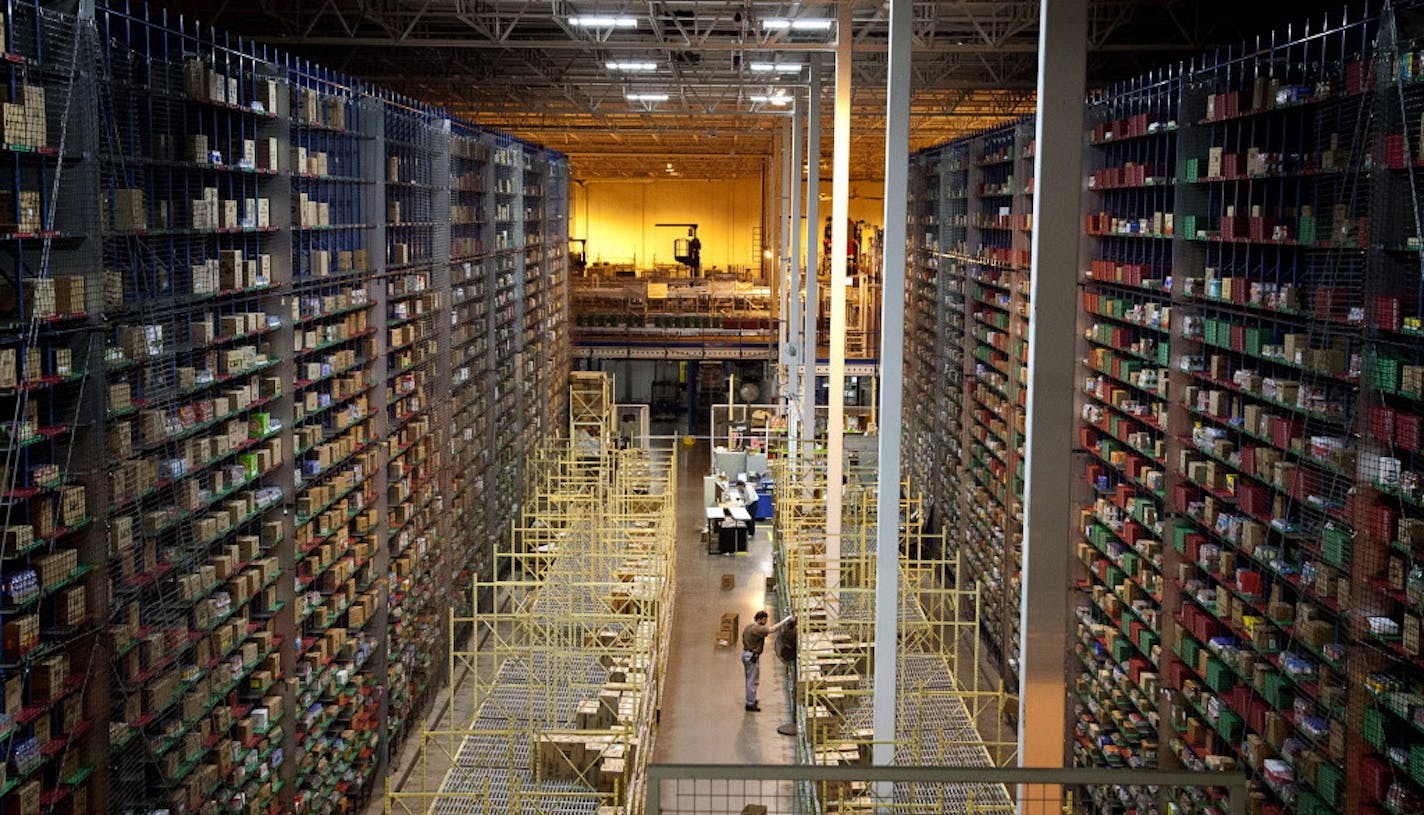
(969, 277)
(922, 319)
(470, 364)
(337, 427)
(1124, 413)
(416, 279)
(253, 320)
(198, 475)
(1388, 550)
(52, 554)
(1252, 371)
(555, 340)
(507, 334)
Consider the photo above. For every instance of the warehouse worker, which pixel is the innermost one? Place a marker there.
(749, 497)
(753, 642)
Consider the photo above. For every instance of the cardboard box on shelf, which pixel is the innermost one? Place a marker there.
(69, 294)
(728, 630)
(268, 96)
(72, 606)
(130, 211)
(73, 506)
(54, 568)
(336, 112)
(195, 79)
(24, 799)
(266, 154)
(38, 297)
(21, 634)
(9, 371)
(47, 678)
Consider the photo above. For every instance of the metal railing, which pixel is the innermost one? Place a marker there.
(714, 789)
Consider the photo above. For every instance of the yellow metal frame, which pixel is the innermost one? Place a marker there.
(948, 715)
(569, 645)
(591, 419)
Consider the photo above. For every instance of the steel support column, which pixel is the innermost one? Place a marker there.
(811, 304)
(783, 208)
(1048, 509)
(791, 346)
(840, 235)
(892, 376)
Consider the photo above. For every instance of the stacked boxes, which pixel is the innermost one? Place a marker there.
(130, 213)
(20, 214)
(23, 118)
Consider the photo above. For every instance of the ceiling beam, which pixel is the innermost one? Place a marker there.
(1013, 46)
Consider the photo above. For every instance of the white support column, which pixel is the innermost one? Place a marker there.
(811, 305)
(840, 235)
(771, 224)
(892, 373)
(791, 344)
(1048, 510)
(784, 156)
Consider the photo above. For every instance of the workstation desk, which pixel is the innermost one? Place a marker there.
(727, 529)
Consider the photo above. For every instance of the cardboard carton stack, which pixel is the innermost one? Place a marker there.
(311, 212)
(130, 213)
(312, 162)
(24, 118)
(206, 211)
(20, 214)
(202, 82)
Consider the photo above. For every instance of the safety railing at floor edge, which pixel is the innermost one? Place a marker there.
(714, 789)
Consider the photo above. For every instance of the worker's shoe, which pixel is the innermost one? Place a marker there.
(754, 707)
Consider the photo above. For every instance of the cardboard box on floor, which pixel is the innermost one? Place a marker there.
(728, 630)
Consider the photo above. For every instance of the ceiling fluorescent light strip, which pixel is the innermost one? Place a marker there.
(630, 65)
(804, 24)
(775, 67)
(646, 97)
(603, 21)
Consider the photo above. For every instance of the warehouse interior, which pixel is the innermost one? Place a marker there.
(409, 404)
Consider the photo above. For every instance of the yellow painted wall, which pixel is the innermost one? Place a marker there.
(617, 217)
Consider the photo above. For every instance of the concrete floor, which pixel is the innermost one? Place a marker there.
(703, 719)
